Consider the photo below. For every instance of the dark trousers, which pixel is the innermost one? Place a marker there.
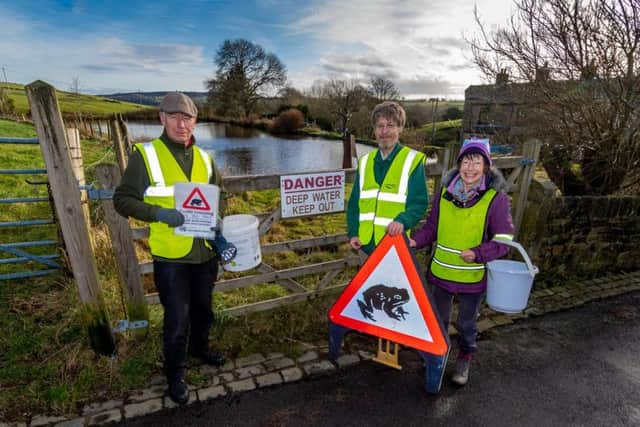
(185, 293)
(466, 324)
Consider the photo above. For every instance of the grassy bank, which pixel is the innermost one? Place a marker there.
(73, 103)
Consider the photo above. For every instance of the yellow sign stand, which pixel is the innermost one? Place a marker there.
(389, 355)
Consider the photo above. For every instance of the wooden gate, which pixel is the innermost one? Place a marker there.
(518, 172)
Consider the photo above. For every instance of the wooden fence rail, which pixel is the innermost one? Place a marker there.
(520, 172)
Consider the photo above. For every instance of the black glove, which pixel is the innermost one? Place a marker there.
(171, 217)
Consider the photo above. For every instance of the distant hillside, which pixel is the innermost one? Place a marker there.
(72, 102)
(153, 98)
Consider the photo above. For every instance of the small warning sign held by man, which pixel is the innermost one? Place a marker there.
(199, 205)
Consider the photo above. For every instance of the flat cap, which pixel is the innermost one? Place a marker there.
(177, 102)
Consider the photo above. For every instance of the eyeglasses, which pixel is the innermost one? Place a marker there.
(389, 126)
(476, 163)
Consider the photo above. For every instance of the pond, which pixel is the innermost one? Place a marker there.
(245, 151)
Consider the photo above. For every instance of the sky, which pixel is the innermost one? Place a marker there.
(115, 46)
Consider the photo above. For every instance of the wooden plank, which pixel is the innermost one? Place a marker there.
(530, 151)
(75, 153)
(514, 175)
(327, 279)
(238, 184)
(264, 305)
(267, 223)
(124, 250)
(292, 245)
(241, 282)
(279, 302)
(66, 195)
(289, 284)
(118, 145)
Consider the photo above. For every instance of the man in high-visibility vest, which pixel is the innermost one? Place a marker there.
(389, 192)
(185, 268)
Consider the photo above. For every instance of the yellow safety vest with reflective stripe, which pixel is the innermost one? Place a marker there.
(460, 229)
(380, 204)
(164, 171)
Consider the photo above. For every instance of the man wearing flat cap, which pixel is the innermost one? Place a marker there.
(185, 268)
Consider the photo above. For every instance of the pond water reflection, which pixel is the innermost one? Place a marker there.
(244, 151)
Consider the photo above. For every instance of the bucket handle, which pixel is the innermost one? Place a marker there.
(533, 270)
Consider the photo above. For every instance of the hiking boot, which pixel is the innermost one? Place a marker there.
(460, 374)
(210, 357)
(178, 391)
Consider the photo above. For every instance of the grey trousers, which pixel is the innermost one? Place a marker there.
(466, 323)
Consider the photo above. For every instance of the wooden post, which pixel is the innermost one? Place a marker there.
(124, 250)
(454, 149)
(348, 146)
(124, 133)
(45, 112)
(118, 146)
(75, 152)
(530, 156)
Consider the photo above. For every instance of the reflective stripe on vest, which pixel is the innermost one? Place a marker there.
(380, 204)
(164, 172)
(460, 229)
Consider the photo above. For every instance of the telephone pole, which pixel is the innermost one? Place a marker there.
(4, 73)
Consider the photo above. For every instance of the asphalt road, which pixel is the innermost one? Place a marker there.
(576, 368)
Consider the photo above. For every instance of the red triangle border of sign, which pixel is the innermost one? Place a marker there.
(440, 344)
(197, 191)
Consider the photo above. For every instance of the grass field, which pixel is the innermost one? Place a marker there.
(73, 103)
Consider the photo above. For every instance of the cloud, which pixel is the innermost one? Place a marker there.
(418, 44)
(426, 85)
(358, 67)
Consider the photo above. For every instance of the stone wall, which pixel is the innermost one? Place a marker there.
(580, 236)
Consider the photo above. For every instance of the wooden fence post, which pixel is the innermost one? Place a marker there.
(45, 112)
(124, 250)
(348, 146)
(530, 156)
(75, 151)
(118, 145)
(124, 133)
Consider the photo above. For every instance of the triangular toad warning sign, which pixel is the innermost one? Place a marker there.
(387, 298)
(196, 200)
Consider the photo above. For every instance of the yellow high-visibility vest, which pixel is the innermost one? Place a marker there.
(164, 171)
(380, 204)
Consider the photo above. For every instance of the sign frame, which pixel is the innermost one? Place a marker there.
(297, 194)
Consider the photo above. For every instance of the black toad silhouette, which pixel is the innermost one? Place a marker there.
(385, 298)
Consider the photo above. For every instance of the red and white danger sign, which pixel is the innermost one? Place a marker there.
(199, 205)
(387, 298)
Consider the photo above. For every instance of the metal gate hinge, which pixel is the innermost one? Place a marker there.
(125, 324)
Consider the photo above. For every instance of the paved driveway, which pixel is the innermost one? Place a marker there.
(576, 368)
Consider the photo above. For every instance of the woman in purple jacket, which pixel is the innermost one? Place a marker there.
(472, 210)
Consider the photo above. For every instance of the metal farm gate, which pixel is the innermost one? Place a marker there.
(17, 232)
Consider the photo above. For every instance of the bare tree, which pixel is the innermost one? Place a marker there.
(344, 98)
(382, 89)
(245, 73)
(580, 61)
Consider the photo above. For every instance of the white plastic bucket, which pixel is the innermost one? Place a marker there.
(242, 231)
(509, 282)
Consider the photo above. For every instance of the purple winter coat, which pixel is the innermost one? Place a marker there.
(498, 222)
